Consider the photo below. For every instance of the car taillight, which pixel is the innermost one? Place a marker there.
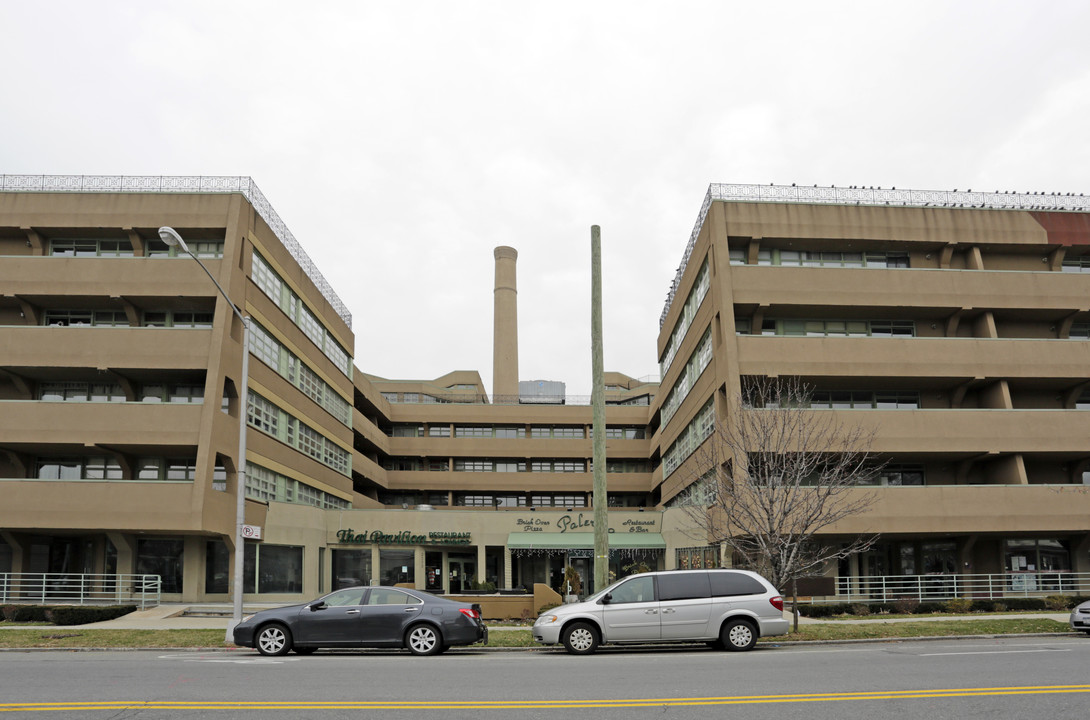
(471, 614)
(777, 602)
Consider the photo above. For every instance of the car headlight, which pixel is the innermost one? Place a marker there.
(546, 620)
(246, 619)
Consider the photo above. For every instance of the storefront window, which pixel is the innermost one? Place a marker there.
(280, 569)
(351, 568)
(1036, 564)
(698, 558)
(217, 566)
(433, 569)
(162, 557)
(272, 568)
(396, 566)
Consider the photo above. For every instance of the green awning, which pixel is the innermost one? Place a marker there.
(584, 541)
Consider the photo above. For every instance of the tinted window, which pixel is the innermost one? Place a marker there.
(389, 596)
(641, 589)
(683, 585)
(731, 583)
(351, 596)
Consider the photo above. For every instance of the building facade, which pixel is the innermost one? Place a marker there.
(961, 334)
(953, 325)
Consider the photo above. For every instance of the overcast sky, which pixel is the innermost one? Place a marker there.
(402, 141)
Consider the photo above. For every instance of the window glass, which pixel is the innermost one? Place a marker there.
(389, 596)
(217, 563)
(341, 598)
(683, 586)
(162, 557)
(638, 589)
(280, 569)
(727, 583)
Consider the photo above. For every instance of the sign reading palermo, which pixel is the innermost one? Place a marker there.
(405, 537)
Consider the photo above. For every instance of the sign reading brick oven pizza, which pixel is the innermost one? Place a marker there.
(405, 537)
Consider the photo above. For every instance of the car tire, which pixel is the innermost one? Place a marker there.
(304, 650)
(738, 635)
(580, 638)
(273, 639)
(424, 639)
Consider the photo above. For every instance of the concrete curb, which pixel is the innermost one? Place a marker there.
(558, 649)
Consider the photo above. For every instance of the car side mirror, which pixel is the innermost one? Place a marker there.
(607, 598)
(316, 605)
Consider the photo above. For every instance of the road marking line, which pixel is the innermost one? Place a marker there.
(991, 652)
(537, 704)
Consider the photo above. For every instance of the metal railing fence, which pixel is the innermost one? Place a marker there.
(80, 589)
(939, 587)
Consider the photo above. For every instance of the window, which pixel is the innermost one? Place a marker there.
(688, 312)
(725, 584)
(1078, 264)
(825, 258)
(638, 589)
(90, 247)
(163, 557)
(841, 328)
(275, 568)
(508, 432)
(683, 586)
(439, 431)
(80, 392)
(479, 431)
(696, 558)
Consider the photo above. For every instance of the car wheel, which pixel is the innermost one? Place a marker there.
(738, 635)
(274, 639)
(580, 638)
(423, 640)
(304, 650)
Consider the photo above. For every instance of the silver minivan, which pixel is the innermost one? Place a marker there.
(725, 608)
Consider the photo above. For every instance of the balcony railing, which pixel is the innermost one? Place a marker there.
(80, 589)
(939, 587)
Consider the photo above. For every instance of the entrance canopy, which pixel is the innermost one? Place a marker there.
(584, 541)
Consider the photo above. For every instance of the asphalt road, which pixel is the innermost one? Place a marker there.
(1025, 677)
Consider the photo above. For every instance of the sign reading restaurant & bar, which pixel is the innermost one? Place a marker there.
(405, 537)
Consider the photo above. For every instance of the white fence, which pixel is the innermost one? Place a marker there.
(80, 589)
(886, 588)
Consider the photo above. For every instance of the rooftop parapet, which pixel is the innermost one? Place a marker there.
(184, 184)
(871, 195)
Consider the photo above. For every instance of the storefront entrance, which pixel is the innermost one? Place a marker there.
(461, 572)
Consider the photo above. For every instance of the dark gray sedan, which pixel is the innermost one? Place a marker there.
(364, 617)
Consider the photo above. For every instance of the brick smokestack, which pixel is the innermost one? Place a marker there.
(505, 339)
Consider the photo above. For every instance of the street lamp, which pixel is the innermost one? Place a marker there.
(171, 237)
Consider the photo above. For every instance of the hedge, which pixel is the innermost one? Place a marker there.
(928, 608)
(64, 614)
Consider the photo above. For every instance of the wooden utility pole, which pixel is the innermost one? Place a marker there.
(598, 401)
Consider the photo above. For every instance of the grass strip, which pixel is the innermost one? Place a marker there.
(60, 637)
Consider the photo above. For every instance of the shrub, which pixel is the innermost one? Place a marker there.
(1058, 602)
(24, 613)
(860, 609)
(959, 605)
(81, 615)
(906, 605)
(1025, 603)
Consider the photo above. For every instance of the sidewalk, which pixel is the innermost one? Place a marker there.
(170, 617)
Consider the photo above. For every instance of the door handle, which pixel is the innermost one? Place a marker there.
(667, 610)
(652, 611)
(410, 609)
(351, 612)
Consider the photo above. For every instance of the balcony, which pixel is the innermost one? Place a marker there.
(882, 357)
(95, 277)
(104, 347)
(860, 287)
(958, 509)
(37, 424)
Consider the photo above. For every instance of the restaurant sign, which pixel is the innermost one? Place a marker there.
(405, 537)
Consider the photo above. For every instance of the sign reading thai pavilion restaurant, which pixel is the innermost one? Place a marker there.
(405, 537)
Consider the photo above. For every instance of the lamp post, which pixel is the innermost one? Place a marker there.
(171, 237)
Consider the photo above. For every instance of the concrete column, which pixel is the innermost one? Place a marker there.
(193, 555)
(376, 568)
(420, 570)
(505, 346)
(481, 558)
(507, 567)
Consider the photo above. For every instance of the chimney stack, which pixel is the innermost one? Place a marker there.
(505, 341)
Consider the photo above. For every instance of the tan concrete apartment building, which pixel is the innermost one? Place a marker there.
(955, 324)
(955, 330)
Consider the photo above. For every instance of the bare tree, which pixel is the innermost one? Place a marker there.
(774, 474)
